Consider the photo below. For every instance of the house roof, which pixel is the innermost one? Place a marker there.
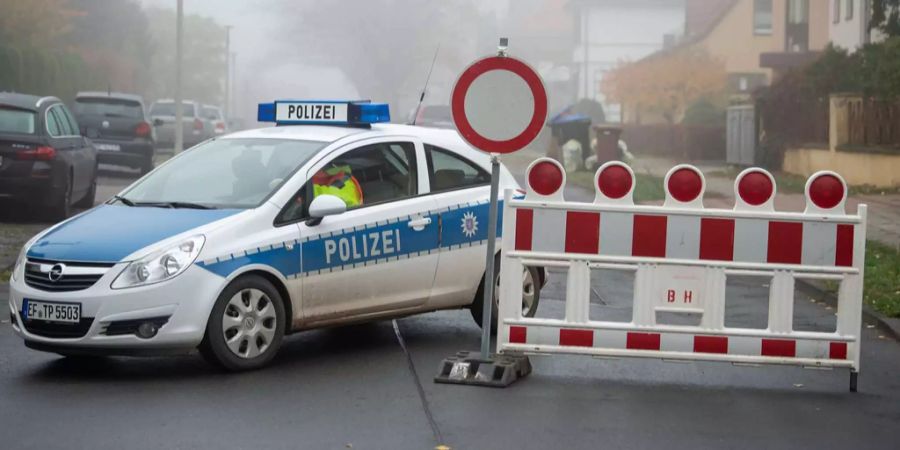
(702, 16)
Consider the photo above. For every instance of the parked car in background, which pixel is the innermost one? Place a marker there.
(434, 116)
(214, 115)
(119, 127)
(195, 129)
(45, 162)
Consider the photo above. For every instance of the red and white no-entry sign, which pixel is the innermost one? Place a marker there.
(499, 104)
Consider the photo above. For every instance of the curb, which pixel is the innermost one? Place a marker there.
(889, 326)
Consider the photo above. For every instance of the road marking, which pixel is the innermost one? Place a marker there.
(438, 437)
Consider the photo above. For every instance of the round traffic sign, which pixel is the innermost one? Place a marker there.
(499, 104)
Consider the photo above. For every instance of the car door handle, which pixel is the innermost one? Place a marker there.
(418, 224)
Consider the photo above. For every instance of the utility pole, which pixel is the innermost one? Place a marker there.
(179, 107)
(225, 106)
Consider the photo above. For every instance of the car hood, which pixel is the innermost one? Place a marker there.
(109, 233)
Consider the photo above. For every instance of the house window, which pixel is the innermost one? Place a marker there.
(762, 16)
(849, 10)
(797, 27)
(836, 11)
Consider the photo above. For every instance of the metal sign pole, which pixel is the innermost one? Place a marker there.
(486, 369)
(488, 301)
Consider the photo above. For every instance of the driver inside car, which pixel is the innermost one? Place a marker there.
(338, 180)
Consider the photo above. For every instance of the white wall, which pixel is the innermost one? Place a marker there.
(622, 31)
(850, 34)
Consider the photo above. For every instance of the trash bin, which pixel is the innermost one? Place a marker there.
(607, 147)
(565, 127)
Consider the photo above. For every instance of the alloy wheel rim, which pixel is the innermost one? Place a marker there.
(528, 291)
(249, 323)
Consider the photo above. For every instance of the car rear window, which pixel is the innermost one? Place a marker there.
(109, 107)
(18, 121)
(212, 113)
(168, 109)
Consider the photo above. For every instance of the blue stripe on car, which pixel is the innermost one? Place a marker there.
(109, 233)
(461, 226)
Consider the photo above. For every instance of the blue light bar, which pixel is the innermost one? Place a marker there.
(323, 112)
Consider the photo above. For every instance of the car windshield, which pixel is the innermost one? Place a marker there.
(168, 109)
(224, 173)
(108, 107)
(17, 121)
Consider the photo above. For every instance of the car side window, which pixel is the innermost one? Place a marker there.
(448, 171)
(54, 128)
(70, 118)
(369, 175)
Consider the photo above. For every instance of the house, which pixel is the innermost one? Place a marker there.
(613, 31)
(849, 24)
(757, 39)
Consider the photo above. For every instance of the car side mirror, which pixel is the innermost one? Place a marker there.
(325, 205)
(157, 122)
(91, 133)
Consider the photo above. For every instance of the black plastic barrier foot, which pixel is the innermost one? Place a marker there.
(470, 368)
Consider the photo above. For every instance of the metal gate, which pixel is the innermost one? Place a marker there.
(741, 136)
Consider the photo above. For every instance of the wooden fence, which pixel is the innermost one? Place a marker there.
(873, 122)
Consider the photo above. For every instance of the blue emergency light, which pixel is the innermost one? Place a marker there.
(324, 112)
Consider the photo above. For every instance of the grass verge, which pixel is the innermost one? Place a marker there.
(882, 278)
(789, 183)
(647, 187)
(881, 287)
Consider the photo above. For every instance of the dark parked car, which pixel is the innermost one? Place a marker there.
(435, 116)
(45, 162)
(119, 128)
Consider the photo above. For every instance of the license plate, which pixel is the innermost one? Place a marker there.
(108, 147)
(51, 311)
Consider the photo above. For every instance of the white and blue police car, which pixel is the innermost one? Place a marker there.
(242, 239)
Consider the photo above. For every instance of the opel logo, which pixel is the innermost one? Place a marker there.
(105, 124)
(56, 272)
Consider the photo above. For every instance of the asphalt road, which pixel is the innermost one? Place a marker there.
(356, 387)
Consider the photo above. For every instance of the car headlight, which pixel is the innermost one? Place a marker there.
(160, 266)
(23, 255)
(20, 261)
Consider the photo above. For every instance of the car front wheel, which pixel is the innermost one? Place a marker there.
(246, 325)
(531, 296)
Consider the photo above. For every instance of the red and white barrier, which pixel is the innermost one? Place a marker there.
(682, 254)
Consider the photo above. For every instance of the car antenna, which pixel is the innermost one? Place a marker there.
(424, 88)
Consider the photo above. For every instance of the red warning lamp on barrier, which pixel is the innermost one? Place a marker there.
(826, 191)
(755, 188)
(685, 184)
(615, 181)
(546, 177)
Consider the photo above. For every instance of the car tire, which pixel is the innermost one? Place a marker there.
(246, 325)
(61, 206)
(531, 296)
(88, 200)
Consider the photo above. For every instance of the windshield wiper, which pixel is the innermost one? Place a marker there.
(187, 205)
(123, 200)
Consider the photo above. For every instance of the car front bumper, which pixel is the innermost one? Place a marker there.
(184, 301)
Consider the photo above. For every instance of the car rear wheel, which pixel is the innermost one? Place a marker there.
(246, 325)
(88, 200)
(531, 296)
(61, 205)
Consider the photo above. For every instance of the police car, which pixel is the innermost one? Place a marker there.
(238, 241)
